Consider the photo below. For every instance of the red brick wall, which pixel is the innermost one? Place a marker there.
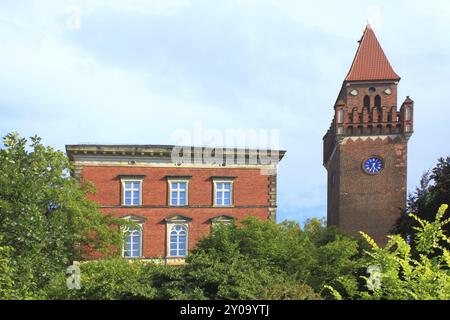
(363, 90)
(370, 203)
(250, 198)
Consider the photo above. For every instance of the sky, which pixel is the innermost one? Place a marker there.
(137, 72)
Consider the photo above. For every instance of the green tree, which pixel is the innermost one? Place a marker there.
(221, 269)
(338, 259)
(403, 276)
(434, 190)
(46, 218)
(7, 290)
(265, 260)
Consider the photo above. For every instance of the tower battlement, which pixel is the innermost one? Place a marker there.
(379, 119)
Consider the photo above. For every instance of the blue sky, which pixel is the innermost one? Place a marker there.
(136, 71)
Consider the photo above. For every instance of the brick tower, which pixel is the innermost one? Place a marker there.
(365, 149)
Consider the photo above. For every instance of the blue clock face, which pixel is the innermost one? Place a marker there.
(373, 165)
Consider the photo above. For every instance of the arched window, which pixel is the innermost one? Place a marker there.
(367, 102)
(377, 101)
(178, 241)
(133, 243)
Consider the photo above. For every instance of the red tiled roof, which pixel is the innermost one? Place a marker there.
(370, 62)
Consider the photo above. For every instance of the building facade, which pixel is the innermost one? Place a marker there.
(176, 202)
(365, 148)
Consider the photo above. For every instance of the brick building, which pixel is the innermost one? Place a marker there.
(365, 149)
(176, 202)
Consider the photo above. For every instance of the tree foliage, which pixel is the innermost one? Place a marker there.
(406, 277)
(434, 190)
(117, 278)
(265, 260)
(45, 216)
(47, 220)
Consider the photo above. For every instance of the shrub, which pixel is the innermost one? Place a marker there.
(404, 277)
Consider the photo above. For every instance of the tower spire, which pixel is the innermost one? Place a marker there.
(370, 62)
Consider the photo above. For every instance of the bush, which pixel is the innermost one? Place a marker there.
(264, 260)
(119, 278)
(404, 277)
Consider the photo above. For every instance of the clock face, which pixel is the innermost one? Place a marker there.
(373, 165)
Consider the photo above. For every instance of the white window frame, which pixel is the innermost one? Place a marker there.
(170, 181)
(124, 190)
(231, 182)
(171, 225)
(141, 230)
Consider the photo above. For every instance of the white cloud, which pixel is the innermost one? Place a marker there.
(135, 71)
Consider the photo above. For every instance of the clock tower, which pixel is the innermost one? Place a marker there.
(365, 148)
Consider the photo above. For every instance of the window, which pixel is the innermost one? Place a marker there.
(178, 241)
(177, 236)
(178, 193)
(367, 102)
(133, 243)
(223, 193)
(408, 114)
(340, 116)
(377, 101)
(132, 191)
